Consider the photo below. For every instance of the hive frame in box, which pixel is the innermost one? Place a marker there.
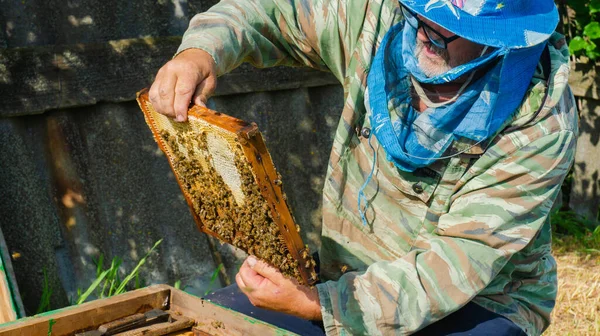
(265, 176)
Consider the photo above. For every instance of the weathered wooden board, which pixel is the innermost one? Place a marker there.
(7, 310)
(37, 79)
(585, 188)
(78, 318)
(11, 306)
(210, 318)
(219, 321)
(584, 80)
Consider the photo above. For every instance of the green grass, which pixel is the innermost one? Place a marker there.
(573, 233)
(51, 324)
(44, 305)
(108, 282)
(213, 278)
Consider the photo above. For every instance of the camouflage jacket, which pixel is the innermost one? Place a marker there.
(471, 227)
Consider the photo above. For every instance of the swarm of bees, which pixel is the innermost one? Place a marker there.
(245, 222)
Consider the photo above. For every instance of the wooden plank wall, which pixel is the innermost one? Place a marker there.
(38, 79)
(585, 188)
(73, 139)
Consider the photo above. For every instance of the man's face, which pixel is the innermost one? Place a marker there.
(435, 61)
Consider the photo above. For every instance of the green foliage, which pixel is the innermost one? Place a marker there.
(92, 288)
(51, 324)
(573, 233)
(136, 270)
(108, 282)
(585, 28)
(44, 305)
(213, 278)
(594, 6)
(592, 30)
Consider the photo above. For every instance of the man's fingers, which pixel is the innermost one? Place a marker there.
(153, 92)
(250, 293)
(251, 278)
(183, 95)
(240, 282)
(205, 90)
(166, 94)
(265, 270)
(189, 76)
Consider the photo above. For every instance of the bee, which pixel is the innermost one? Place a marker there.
(304, 254)
(283, 250)
(268, 252)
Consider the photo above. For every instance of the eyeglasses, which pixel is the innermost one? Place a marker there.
(435, 37)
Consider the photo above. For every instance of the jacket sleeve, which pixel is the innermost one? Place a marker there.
(316, 33)
(494, 215)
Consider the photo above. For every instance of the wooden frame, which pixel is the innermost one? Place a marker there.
(266, 177)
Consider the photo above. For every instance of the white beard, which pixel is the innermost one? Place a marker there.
(431, 67)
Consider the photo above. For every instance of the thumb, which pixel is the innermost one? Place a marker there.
(264, 269)
(205, 90)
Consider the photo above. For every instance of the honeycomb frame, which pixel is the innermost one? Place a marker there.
(264, 182)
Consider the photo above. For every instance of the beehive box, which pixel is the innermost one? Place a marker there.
(11, 306)
(210, 319)
(231, 186)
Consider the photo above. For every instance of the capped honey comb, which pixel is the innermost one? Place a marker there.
(231, 186)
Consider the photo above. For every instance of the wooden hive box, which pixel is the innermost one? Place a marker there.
(209, 318)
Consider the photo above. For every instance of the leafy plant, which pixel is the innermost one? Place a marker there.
(584, 28)
(108, 282)
(213, 278)
(44, 305)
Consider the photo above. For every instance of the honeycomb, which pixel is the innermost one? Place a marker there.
(234, 193)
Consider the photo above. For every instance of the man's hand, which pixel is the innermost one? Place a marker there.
(267, 288)
(191, 76)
